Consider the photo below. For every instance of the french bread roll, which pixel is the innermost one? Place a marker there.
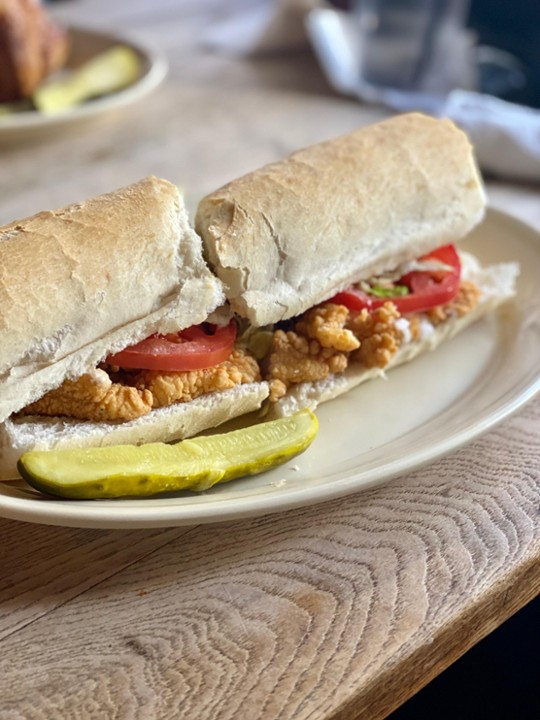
(292, 234)
(80, 283)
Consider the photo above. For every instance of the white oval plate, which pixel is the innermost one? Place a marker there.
(84, 45)
(430, 407)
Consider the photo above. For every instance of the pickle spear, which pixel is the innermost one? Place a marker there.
(110, 71)
(194, 464)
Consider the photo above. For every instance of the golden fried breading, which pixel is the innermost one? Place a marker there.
(324, 339)
(295, 359)
(322, 342)
(379, 337)
(96, 397)
(415, 327)
(277, 389)
(167, 388)
(93, 397)
(466, 299)
(326, 324)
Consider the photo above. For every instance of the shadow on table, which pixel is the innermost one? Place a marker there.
(498, 679)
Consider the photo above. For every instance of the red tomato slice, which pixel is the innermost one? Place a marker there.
(190, 349)
(427, 288)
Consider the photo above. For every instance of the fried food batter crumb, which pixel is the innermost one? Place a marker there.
(467, 298)
(325, 338)
(296, 359)
(97, 398)
(93, 397)
(326, 324)
(167, 388)
(415, 327)
(378, 335)
(321, 343)
(277, 389)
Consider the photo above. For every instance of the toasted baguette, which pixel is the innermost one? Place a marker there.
(293, 233)
(79, 283)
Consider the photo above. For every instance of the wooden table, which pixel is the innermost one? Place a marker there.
(337, 611)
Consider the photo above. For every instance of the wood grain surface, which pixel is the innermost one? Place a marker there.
(335, 612)
(338, 611)
(42, 570)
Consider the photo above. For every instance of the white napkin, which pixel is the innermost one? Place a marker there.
(506, 136)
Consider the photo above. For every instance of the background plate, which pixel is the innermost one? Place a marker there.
(86, 44)
(435, 404)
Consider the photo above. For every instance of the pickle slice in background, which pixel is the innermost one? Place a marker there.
(194, 464)
(106, 73)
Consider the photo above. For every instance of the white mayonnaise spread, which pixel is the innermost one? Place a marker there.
(426, 329)
(404, 327)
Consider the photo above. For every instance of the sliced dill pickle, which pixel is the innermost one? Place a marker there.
(194, 464)
(110, 71)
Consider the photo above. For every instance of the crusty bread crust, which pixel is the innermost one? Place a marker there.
(497, 284)
(92, 278)
(293, 233)
(163, 425)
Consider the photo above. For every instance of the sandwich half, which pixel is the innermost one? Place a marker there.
(108, 328)
(341, 260)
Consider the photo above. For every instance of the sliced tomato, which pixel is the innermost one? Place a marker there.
(356, 299)
(195, 348)
(427, 288)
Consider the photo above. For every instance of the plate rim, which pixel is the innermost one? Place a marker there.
(85, 514)
(158, 67)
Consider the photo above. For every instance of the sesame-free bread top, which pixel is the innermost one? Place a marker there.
(295, 232)
(92, 278)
